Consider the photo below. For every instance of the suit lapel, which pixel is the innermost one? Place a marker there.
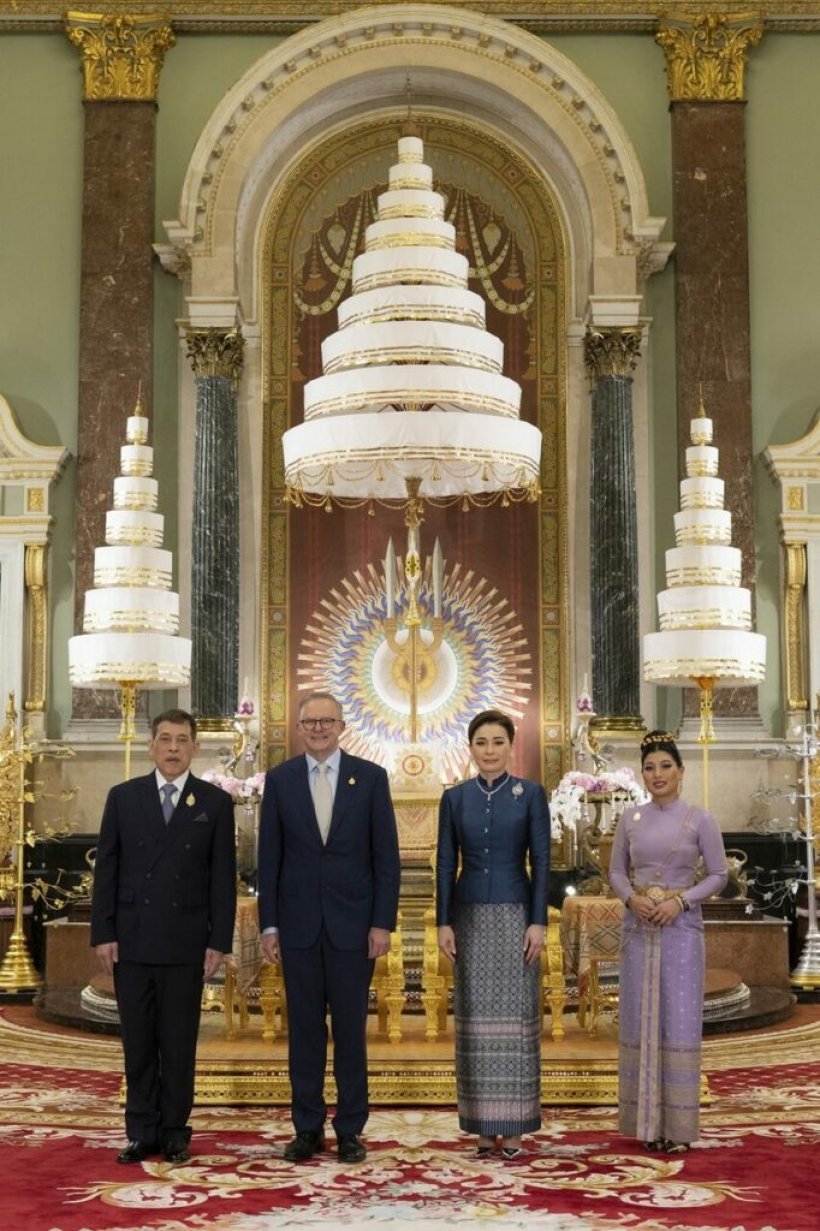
(302, 797)
(346, 787)
(151, 808)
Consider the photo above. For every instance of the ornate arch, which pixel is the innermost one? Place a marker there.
(316, 81)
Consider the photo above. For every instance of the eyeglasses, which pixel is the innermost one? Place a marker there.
(318, 724)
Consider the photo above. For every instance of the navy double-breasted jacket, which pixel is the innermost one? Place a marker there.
(165, 893)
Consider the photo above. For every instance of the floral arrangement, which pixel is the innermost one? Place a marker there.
(241, 790)
(569, 799)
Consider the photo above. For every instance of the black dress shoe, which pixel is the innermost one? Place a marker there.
(137, 1151)
(351, 1150)
(176, 1152)
(304, 1145)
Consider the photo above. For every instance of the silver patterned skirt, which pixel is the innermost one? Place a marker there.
(497, 1022)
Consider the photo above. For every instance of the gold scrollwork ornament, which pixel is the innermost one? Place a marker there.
(121, 54)
(216, 352)
(612, 352)
(706, 55)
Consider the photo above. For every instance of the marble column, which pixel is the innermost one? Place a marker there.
(611, 355)
(705, 69)
(216, 356)
(121, 60)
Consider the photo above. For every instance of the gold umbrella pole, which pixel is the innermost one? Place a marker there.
(18, 972)
(706, 735)
(128, 707)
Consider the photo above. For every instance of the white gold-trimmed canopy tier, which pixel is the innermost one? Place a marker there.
(138, 528)
(703, 526)
(129, 609)
(132, 566)
(412, 342)
(388, 266)
(412, 386)
(732, 659)
(701, 493)
(137, 460)
(135, 493)
(456, 306)
(107, 660)
(358, 456)
(703, 565)
(705, 607)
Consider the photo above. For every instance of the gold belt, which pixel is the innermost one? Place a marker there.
(657, 893)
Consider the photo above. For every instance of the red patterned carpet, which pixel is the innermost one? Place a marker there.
(753, 1170)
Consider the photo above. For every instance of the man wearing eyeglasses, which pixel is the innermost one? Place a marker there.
(328, 877)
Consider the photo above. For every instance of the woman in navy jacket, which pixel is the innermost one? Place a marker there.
(491, 914)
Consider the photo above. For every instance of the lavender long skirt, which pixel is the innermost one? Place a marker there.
(660, 1006)
(497, 1022)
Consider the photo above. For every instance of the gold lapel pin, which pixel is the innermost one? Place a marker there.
(190, 800)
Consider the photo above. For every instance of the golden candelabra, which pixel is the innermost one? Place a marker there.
(18, 972)
(414, 656)
(17, 752)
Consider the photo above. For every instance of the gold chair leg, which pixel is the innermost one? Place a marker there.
(229, 992)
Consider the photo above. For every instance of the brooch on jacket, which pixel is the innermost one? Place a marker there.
(351, 782)
(518, 790)
(190, 800)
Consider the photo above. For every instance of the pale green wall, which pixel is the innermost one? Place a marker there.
(630, 71)
(783, 158)
(197, 73)
(41, 142)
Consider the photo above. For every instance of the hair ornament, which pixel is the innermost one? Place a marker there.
(658, 737)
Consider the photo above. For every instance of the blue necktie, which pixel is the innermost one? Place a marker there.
(168, 789)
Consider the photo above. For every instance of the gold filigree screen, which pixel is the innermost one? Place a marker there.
(507, 225)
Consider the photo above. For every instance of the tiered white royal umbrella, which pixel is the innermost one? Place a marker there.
(412, 391)
(706, 638)
(129, 639)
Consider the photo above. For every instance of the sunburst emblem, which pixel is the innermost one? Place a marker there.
(481, 662)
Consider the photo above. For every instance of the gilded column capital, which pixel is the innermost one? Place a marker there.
(216, 352)
(706, 54)
(122, 54)
(612, 352)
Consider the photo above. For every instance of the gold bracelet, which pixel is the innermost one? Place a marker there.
(680, 901)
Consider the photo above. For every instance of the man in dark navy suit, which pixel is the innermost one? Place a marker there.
(328, 877)
(162, 916)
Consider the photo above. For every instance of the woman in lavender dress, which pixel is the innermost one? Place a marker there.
(654, 856)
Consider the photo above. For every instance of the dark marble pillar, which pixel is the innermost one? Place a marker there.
(610, 356)
(216, 356)
(705, 63)
(121, 59)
